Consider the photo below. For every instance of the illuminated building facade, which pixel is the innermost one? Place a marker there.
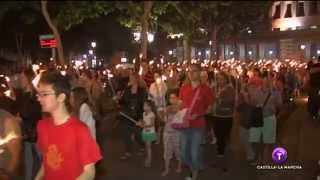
(294, 34)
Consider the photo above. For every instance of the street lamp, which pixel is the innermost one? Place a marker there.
(150, 37)
(93, 44)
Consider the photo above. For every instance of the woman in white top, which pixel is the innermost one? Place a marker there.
(157, 93)
(79, 101)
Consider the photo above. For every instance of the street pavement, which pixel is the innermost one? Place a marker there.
(298, 134)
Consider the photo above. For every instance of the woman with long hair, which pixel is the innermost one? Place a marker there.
(131, 101)
(82, 108)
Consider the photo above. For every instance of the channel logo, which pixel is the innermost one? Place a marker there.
(279, 155)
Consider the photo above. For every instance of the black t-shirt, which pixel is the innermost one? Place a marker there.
(314, 77)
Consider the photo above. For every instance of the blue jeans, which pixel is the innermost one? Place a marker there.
(191, 147)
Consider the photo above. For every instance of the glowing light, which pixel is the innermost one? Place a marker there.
(285, 24)
(110, 76)
(134, 61)
(35, 67)
(7, 93)
(164, 78)
(171, 73)
(302, 46)
(150, 37)
(250, 52)
(36, 80)
(270, 52)
(90, 51)
(313, 27)
(78, 63)
(63, 73)
(170, 52)
(199, 53)
(7, 79)
(173, 36)
(231, 52)
(137, 36)
(318, 51)
(140, 71)
(124, 60)
(151, 62)
(93, 44)
(118, 66)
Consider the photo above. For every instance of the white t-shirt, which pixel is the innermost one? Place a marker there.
(147, 120)
(87, 118)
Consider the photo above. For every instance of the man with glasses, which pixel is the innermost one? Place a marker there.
(67, 147)
(197, 98)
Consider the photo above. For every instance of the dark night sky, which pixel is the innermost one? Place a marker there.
(108, 34)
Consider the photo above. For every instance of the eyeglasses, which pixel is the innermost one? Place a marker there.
(40, 95)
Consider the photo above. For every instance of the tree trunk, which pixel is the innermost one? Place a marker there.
(147, 6)
(214, 45)
(53, 27)
(186, 48)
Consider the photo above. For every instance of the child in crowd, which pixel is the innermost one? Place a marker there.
(82, 108)
(148, 133)
(171, 140)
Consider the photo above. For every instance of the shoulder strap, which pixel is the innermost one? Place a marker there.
(265, 102)
(194, 99)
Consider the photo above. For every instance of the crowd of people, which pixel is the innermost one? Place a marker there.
(52, 112)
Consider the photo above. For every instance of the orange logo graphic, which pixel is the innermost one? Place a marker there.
(54, 158)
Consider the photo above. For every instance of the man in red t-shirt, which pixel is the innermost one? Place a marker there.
(69, 151)
(197, 98)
